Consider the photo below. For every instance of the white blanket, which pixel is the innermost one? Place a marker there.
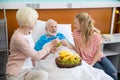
(82, 72)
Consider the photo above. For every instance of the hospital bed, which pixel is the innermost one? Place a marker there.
(81, 72)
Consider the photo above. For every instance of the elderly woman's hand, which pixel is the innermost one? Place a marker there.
(54, 49)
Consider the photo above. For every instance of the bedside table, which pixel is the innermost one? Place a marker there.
(111, 48)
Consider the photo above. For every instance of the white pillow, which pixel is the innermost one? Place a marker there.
(66, 30)
(39, 29)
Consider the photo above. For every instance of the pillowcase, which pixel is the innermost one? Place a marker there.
(39, 30)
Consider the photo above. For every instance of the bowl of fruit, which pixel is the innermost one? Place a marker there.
(66, 59)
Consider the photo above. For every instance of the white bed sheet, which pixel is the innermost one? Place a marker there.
(82, 72)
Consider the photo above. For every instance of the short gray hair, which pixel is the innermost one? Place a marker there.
(49, 21)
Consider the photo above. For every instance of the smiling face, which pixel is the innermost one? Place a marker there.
(76, 24)
(51, 28)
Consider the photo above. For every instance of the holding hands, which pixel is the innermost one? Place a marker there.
(58, 44)
(55, 44)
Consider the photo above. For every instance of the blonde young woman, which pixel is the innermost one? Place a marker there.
(20, 66)
(88, 43)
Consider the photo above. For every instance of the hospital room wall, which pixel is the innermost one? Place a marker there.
(102, 17)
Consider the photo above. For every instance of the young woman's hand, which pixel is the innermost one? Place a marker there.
(64, 42)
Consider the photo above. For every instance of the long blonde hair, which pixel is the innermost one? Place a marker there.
(86, 25)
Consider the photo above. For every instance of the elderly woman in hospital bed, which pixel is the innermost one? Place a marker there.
(81, 72)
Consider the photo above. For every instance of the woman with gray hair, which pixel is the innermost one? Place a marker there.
(20, 65)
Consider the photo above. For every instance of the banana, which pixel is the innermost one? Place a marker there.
(64, 53)
(74, 57)
(78, 59)
(67, 57)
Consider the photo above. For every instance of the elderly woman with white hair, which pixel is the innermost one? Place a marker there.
(20, 65)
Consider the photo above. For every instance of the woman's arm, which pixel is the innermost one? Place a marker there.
(24, 47)
(66, 43)
(97, 56)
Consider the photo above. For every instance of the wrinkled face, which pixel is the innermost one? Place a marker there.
(76, 24)
(51, 28)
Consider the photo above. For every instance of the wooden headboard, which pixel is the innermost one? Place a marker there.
(102, 17)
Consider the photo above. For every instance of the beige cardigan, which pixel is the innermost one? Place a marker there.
(20, 49)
